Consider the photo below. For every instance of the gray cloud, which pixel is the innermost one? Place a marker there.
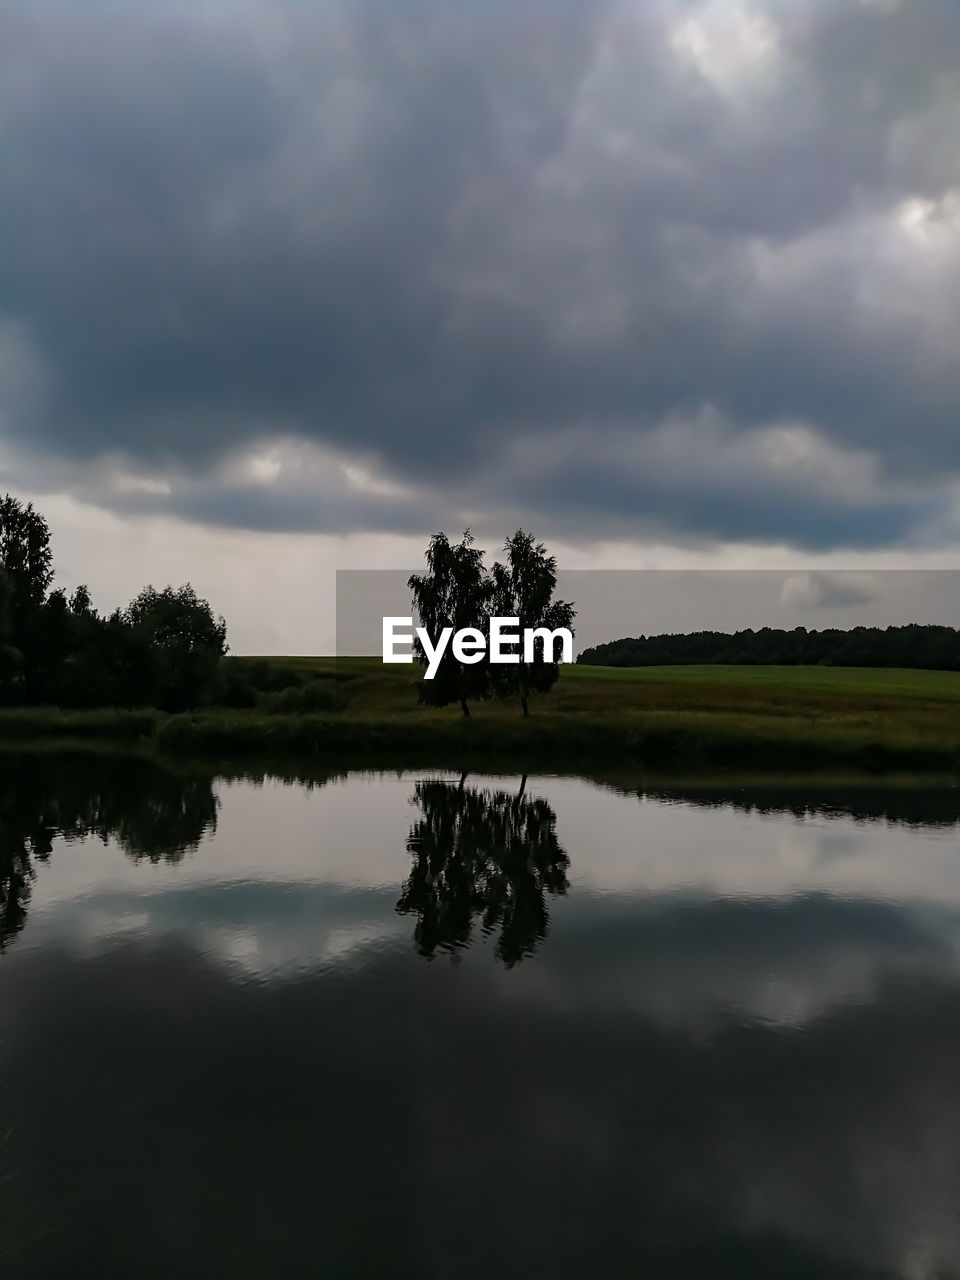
(831, 590)
(590, 262)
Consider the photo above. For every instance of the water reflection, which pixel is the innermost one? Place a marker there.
(150, 811)
(734, 1054)
(912, 803)
(482, 855)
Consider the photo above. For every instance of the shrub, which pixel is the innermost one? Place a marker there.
(315, 695)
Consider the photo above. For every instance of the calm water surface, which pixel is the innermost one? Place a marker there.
(441, 1026)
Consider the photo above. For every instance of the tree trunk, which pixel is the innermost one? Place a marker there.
(463, 706)
(523, 688)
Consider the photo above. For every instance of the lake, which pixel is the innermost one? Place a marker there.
(441, 1025)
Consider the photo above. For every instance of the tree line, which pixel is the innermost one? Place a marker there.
(166, 648)
(162, 650)
(930, 647)
(459, 592)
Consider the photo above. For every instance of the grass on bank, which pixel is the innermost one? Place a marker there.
(366, 684)
(659, 716)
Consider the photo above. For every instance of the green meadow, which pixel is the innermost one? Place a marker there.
(657, 717)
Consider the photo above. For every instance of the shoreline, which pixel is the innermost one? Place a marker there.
(668, 741)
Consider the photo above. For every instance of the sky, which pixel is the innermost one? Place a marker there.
(287, 287)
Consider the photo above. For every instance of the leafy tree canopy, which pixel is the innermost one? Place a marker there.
(25, 555)
(458, 592)
(164, 649)
(523, 588)
(178, 619)
(454, 592)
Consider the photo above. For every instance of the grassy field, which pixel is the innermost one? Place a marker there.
(370, 673)
(764, 717)
(367, 687)
(862, 681)
(756, 716)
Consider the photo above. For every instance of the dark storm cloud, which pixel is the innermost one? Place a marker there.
(325, 507)
(456, 239)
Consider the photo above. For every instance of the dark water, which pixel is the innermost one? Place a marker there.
(429, 1026)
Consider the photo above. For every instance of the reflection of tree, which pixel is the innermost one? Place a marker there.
(149, 811)
(482, 855)
(932, 804)
(165, 819)
(15, 876)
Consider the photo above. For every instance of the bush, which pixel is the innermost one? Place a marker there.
(259, 675)
(244, 683)
(315, 695)
(237, 693)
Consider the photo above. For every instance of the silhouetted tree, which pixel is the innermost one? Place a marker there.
(6, 606)
(81, 605)
(185, 640)
(163, 650)
(482, 855)
(523, 588)
(25, 554)
(10, 657)
(454, 592)
(25, 560)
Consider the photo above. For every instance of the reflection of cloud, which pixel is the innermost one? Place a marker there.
(775, 842)
(397, 1098)
(743, 1049)
(696, 965)
(265, 930)
(266, 950)
(830, 590)
(681, 960)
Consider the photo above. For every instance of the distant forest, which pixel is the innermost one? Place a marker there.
(930, 647)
